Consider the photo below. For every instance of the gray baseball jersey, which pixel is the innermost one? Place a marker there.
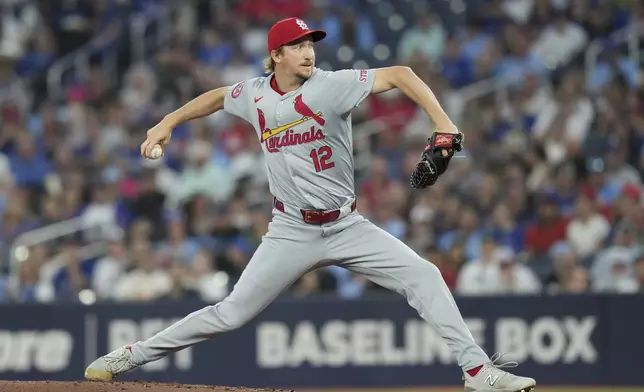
(307, 142)
(306, 134)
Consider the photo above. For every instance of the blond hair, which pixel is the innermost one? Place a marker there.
(269, 63)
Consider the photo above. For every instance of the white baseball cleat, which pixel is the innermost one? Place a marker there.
(109, 365)
(491, 378)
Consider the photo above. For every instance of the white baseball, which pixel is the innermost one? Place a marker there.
(156, 152)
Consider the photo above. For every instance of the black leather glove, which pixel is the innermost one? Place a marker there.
(435, 158)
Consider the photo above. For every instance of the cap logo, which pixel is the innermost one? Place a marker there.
(302, 25)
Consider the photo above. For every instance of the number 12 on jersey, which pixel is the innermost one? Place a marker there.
(321, 158)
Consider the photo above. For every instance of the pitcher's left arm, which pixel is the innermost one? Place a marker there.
(414, 88)
(446, 138)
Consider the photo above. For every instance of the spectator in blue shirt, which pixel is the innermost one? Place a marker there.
(213, 51)
(468, 233)
(29, 166)
(456, 67)
(474, 40)
(518, 61)
(348, 28)
(506, 231)
(178, 250)
(610, 66)
(564, 191)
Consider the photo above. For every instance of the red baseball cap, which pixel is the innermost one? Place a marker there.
(289, 30)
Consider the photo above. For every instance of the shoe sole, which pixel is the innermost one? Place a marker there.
(98, 375)
(527, 389)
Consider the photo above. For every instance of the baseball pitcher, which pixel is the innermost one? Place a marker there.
(302, 116)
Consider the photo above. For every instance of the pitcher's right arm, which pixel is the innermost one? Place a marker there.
(229, 98)
(202, 106)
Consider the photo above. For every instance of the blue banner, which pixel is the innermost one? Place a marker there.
(575, 340)
(41, 342)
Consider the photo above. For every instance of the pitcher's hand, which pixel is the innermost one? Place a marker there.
(160, 135)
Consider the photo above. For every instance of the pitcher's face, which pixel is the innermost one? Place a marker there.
(298, 58)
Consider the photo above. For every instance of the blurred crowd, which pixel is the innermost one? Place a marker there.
(547, 198)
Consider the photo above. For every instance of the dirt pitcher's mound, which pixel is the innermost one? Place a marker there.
(136, 386)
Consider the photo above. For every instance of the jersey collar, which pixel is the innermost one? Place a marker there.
(273, 84)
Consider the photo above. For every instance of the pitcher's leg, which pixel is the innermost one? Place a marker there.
(383, 259)
(287, 251)
(276, 264)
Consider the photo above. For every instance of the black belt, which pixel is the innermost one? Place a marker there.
(315, 217)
